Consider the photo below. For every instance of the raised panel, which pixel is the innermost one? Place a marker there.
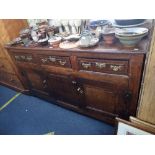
(64, 88)
(105, 97)
(35, 80)
(100, 99)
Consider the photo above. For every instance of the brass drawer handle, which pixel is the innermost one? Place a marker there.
(17, 57)
(44, 60)
(29, 58)
(74, 82)
(86, 65)
(100, 65)
(52, 59)
(62, 62)
(80, 90)
(23, 57)
(115, 67)
(44, 81)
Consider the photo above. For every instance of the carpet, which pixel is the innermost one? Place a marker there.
(28, 115)
(5, 94)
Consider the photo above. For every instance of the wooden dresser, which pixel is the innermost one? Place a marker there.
(9, 29)
(102, 82)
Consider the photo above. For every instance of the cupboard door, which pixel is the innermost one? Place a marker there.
(65, 88)
(104, 97)
(35, 80)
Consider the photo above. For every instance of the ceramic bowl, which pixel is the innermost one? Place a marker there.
(43, 42)
(93, 24)
(109, 39)
(131, 36)
(92, 43)
(130, 41)
(73, 37)
(54, 41)
(108, 35)
(24, 31)
(130, 32)
(129, 21)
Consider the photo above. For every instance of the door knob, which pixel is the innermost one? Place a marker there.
(127, 96)
(44, 81)
(74, 82)
(80, 90)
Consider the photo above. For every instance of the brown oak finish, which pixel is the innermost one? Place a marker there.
(106, 87)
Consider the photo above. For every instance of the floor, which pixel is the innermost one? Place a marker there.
(27, 115)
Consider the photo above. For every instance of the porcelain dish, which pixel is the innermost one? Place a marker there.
(43, 42)
(93, 24)
(129, 32)
(73, 37)
(114, 24)
(131, 36)
(124, 22)
(55, 41)
(68, 45)
(92, 43)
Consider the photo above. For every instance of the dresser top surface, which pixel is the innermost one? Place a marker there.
(142, 47)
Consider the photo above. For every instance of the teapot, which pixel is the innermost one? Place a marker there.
(86, 37)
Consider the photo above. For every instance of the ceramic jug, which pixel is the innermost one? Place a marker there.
(86, 37)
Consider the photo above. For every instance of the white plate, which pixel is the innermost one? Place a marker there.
(73, 36)
(54, 39)
(68, 45)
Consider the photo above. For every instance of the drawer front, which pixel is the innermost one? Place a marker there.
(59, 61)
(6, 66)
(23, 57)
(104, 65)
(10, 79)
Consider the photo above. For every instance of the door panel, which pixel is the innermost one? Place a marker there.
(65, 88)
(99, 98)
(104, 97)
(35, 80)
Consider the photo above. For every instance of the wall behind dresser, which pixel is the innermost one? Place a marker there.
(9, 29)
(146, 110)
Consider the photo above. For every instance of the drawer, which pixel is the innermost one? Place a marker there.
(59, 61)
(104, 65)
(10, 79)
(6, 66)
(24, 57)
